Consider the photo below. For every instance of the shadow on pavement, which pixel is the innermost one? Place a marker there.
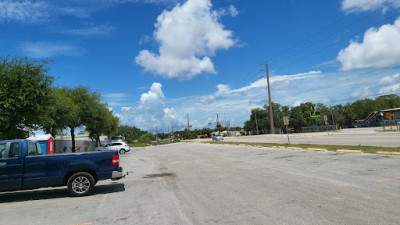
(56, 193)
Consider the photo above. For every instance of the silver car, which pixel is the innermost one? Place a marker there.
(119, 146)
(217, 137)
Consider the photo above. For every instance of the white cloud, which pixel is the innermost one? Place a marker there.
(90, 31)
(222, 89)
(298, 103)
(144, 1)
(367, 5)
(23, 11)
(390, 89)
(207, 100)
(262, 82)
(74, 11)
(282, 85)
(115, 99)
(188, 35)
(50, 49)
(390, 84)
(380, 48)
(151, 111)
(387, 80)
(233, 11)
(362, 92)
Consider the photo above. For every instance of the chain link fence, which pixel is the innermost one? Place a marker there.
(318, 128)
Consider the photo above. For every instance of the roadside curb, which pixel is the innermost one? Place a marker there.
(348, 151)
(318, 149)
(388, 153)
(295, 148)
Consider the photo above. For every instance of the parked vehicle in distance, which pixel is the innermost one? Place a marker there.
(22, 166)
(217, 137)
(118, 146)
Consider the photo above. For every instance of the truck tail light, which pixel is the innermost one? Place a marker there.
(115, 160)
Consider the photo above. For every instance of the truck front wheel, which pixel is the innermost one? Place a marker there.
(80, 184)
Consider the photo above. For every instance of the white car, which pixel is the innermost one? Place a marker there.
(217, 137)
(119, 146)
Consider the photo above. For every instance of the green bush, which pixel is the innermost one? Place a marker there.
(146, 138)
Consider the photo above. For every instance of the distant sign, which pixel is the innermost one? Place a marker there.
(286, 120)
(388, 115)
(315, 115)
(326, 119)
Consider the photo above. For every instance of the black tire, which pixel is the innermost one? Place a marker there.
(80, 184)
(122, 151)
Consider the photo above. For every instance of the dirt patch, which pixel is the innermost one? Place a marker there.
(286, 156)
(158, 175)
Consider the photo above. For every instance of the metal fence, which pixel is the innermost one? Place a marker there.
(319, 128)
(65, 146)
(391, 124)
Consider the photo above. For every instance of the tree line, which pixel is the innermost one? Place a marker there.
(300, 116)
(29, 101)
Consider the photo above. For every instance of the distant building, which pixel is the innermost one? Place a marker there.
(387, 117)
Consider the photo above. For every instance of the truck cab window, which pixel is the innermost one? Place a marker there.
(13, 152)
(3, 150)
(32, 150)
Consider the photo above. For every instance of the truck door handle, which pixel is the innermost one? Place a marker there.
(3, 164)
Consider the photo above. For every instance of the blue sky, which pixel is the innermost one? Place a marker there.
(155, 61)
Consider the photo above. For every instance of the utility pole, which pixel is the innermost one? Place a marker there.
(271, 116)
(219, 132)
(224, 119)
(156, 133)
(188, 127)
(255, 113)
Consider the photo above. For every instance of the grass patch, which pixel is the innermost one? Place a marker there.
(365, 149)
(164, 142)
(384, 131)
(139, 144)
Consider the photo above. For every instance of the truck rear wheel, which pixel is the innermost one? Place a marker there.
(80, 184)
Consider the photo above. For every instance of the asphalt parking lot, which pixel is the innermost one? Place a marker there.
(189, 183)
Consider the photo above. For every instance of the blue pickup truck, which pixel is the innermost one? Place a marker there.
(22, 166)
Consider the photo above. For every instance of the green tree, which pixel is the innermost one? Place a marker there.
(60, 112)
(24, 88)
(100, 121)
(86, 101)
(278, 112)
(130, 133)
(146, 138)
(387, 102)
(300, 116)
(257, 122)
(219, 128)
(260, 118)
